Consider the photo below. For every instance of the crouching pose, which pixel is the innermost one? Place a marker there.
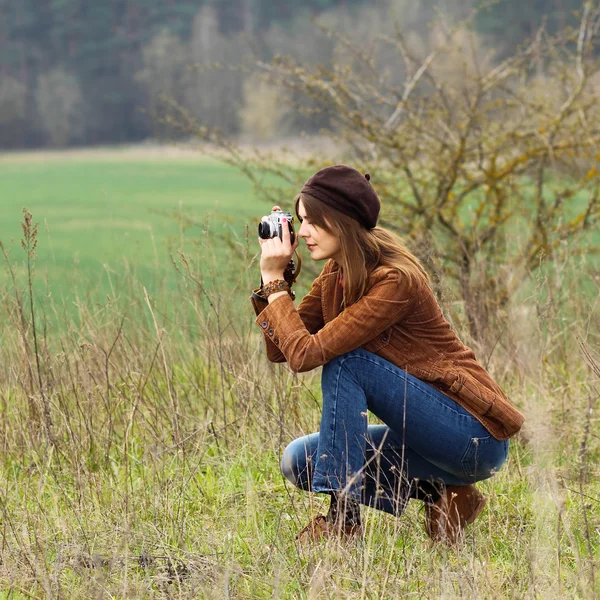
(373, 323)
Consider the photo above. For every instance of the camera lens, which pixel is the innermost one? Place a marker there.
(264, 231)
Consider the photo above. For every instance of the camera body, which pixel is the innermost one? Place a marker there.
(272, 225)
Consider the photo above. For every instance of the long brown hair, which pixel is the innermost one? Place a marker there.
(362, 249)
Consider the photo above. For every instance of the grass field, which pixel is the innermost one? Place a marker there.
(141, 447)
(105, 213)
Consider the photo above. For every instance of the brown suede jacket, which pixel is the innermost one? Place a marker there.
(406, 327)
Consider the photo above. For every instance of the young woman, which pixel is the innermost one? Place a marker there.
(373, 323)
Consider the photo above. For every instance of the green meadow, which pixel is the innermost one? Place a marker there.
(141, 447)
(102, 216)
(108, 216)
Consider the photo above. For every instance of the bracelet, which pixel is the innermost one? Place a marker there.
(279, 285)
(259, 294)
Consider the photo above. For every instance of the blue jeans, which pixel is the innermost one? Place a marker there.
(427, 437)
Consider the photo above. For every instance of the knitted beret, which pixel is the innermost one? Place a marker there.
(346, 190)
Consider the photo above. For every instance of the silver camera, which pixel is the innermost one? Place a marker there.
(271, 225)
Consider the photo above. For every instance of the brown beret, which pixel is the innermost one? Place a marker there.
(346, 190)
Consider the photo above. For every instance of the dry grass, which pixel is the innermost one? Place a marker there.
(140, 460)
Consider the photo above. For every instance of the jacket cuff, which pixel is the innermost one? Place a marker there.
(268, 317)
(258, 301)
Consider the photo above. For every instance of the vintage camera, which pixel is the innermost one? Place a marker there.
(271, 225)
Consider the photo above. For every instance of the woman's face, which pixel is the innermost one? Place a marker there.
(321, 245)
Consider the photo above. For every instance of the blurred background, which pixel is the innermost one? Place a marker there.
(91, 91)
(76, 72)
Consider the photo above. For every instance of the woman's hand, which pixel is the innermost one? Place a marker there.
(276, 254)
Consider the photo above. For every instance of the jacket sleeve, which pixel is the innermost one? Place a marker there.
(386, 303)
(310, 311)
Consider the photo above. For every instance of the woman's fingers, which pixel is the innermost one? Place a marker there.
(272, 248)
(285, 237)
(276, 246)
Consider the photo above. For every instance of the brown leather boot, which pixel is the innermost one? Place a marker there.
(457, 507)
(320, 528)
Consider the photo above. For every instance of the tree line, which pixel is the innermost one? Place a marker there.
(82, 72)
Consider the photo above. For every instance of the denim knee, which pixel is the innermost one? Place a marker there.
(296, 462)
(287, 465)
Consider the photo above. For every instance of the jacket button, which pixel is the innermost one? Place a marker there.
(384, 338)
(271, 332)
(276, 340)
(264, 324)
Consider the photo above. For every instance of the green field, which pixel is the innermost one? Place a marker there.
(105, 214)
(141, 448)
(110, 216)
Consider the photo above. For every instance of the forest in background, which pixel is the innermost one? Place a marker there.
(77, 72)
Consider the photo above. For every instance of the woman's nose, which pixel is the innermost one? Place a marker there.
(302, 231)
